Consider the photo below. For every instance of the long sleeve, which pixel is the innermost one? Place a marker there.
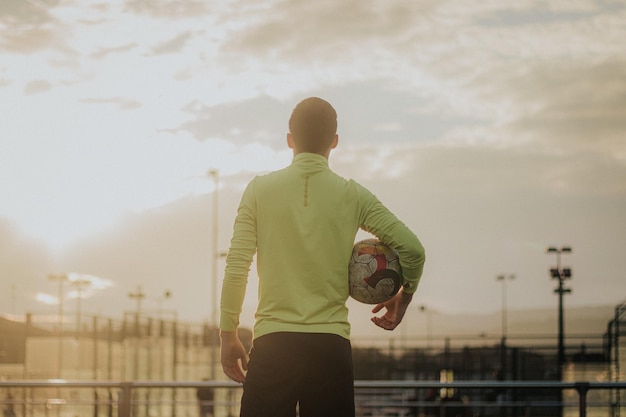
(383, 224)
(238, 261)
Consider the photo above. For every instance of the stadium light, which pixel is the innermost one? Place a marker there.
(561, 274)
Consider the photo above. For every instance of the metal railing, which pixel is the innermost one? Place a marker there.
(123, 403)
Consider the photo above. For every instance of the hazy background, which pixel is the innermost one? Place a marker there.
(492, 128)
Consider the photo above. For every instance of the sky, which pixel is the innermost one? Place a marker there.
(493, 129)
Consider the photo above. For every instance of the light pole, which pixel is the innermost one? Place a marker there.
(216, 180)
(503, 278)
(561, 274)
(166, 294)
(60, 279)
(503, 362)
(137, 296)
(427, 311)
(79, 283)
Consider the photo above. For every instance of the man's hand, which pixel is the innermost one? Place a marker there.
(396, 307)
(233, 352)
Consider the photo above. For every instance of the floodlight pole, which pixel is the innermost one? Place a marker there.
(79, 283)
(166, 294)
(561, 274)
(214, 343)
(60, 279)
(503, 365)
(137, 296)
(427, 310)
(502, 278)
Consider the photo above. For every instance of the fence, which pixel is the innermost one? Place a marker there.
(153, 352)
(373, 398)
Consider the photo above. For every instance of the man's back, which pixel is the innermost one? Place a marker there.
(302, 221)
(307, 218)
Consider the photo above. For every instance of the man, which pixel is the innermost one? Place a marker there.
(302, 221)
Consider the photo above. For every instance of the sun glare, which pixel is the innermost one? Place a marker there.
(70, 206)
(58, 231)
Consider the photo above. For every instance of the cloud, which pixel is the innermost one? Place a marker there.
(28, 26)
(46, 299)
(31, 12)
(492, 82)
(318, 30)
(548, 13)
(556, 106)
(104, 52)
(122, 103)
(173, 45)
(165, 9)
(29, 41)
(37, 86)
(261, 119)
(577, 106)
(368, 112)
(487, 171)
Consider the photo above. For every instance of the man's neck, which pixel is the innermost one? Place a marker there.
(325, 155)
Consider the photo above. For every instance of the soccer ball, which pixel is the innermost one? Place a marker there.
(374, 272)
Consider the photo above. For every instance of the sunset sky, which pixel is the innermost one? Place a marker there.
(492, 128)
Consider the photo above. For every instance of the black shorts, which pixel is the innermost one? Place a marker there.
(310, 370)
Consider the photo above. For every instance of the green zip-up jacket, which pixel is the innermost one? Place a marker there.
(302, 221)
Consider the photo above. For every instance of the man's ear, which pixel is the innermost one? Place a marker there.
(290, 141)
(335, 141)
